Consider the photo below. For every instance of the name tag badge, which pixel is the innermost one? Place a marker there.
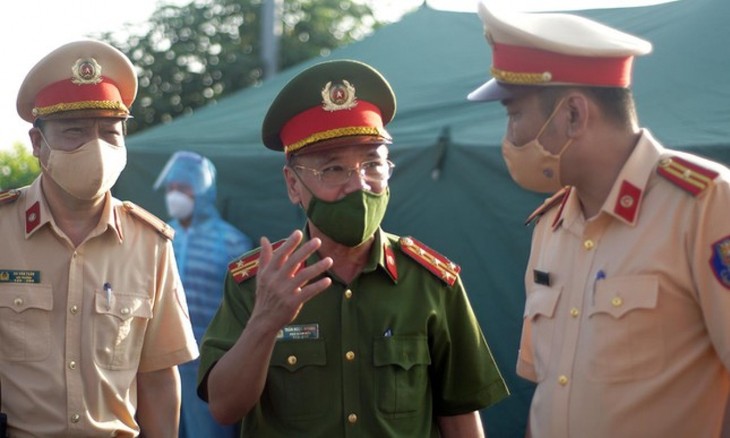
(298, 332)
(12, 276)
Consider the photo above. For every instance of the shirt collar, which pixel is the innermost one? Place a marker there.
(38, 214)
(627, 193)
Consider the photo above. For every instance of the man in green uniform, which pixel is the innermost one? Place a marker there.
(343, 329)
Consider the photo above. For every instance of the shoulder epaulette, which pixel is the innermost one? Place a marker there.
(557, 199)
(686, 175)
(145, 216)
(438, 264)
(247, 265)
(9, 196)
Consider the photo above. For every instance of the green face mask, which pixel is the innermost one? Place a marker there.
(351, 220)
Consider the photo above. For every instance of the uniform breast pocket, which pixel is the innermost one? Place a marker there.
(624, 336)
(25, 322)
(298, 379)
(402, 379)
(540, 312)
(120, 322)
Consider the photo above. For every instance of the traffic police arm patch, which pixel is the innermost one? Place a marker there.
(688, 176)
(438, 264)
(149, 218)
(720, 261)
(247, 265)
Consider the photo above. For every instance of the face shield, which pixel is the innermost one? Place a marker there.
(191, 169)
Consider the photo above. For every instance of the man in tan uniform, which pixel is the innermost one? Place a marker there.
(626, 329)
(93, 318)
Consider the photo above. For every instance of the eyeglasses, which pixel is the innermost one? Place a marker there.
(376, 171)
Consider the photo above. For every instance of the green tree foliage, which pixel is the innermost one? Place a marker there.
(192, 55)
(18, 167)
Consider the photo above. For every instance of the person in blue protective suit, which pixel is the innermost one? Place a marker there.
(204, 244)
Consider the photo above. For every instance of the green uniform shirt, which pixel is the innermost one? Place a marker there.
(380, 357)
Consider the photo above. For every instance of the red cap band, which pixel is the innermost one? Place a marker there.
(66, 96)
(317, 124)
(526, 66)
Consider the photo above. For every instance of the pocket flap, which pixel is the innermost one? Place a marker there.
(123, 306)
(404, 351)
(542, 301)
(619, 296)
(295, 354)
(21, 297)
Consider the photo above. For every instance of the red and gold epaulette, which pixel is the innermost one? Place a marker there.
(150, 219)
(438, 264)
(557, 199)
(9, 196)
(248, 265)
(688, 176)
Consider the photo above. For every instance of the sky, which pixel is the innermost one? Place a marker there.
(32, 28)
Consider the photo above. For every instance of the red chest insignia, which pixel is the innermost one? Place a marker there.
(248, 265)
(439, 265)
(32, 217)
(627, 203)
(686, 175)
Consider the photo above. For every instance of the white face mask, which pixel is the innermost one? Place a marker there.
(88, 171)
(179, 205)
(531, 165)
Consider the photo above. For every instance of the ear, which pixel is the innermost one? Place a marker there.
(36, 141)
(293, 185)
(578, 107)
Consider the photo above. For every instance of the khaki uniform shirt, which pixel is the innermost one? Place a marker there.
(380, 357)
(627, 317)
(78, 324)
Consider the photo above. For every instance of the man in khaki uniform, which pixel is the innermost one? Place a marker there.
(93, 318)
(626, 329)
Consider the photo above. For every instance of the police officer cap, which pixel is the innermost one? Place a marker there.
(332, 103)
(86, 78)
(544, 49)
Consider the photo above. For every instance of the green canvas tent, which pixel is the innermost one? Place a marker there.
(451, 189)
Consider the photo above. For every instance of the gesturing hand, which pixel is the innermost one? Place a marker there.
(281, 287)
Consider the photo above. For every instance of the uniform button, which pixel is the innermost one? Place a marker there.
(75, 254)
(125, 311)
(75, 418)
(74, 309)
(588, 244)
(348, 294)
(291, 360)
(563, 380)
(350, 355)
(616, 301)
(72, 365)
(18, 301)
(574, 312)
(352, 418)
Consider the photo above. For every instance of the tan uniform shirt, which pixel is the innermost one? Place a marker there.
(627, 317)
(78, 324)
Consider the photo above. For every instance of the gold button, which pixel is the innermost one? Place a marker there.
(75, 418)
(350, 355)
(588, 244)
(125, 311)
(563, 380)
(291, 360)
(72, 365)
(352, 418)
(74, 309)
(574, 312)
(18, 301)
(348, 294)
(616, 301)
